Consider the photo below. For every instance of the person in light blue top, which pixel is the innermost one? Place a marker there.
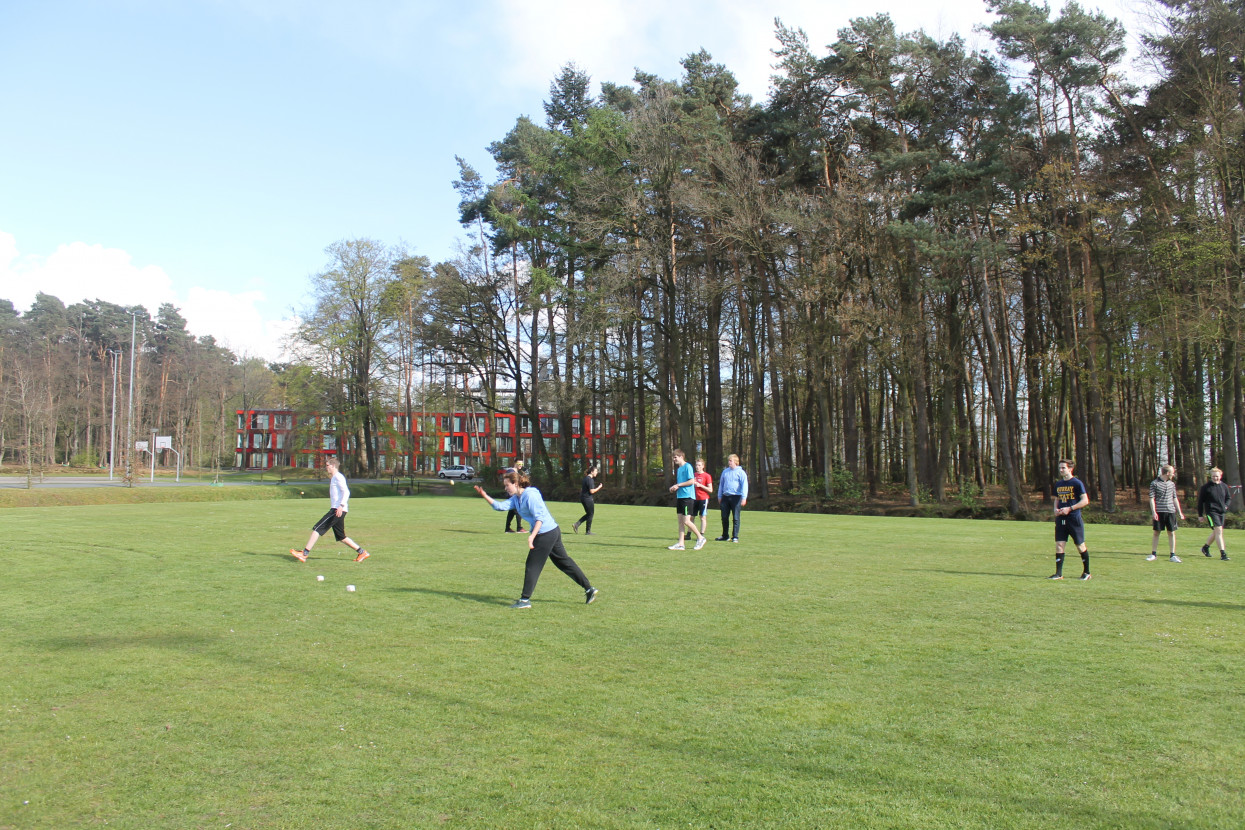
(684, 490)
(732, 495)
(545, 540)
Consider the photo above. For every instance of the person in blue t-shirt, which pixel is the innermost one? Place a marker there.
(684, 489)
(545, 539)
(1070, 497)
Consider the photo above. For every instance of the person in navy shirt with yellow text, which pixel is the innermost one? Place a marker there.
(1070, 497)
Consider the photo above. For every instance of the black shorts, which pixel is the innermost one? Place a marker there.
(1166, 521)
(1215, 519)
(332, 520)
(699, 506)
(683, 507)
(1070, 527)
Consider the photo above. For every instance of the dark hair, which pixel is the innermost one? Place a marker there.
(1071, 464)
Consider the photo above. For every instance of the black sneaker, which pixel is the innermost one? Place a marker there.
(722, 539)
(1223, 556)
(520, 604)
(590, 595)
(1205, 550)
(1086, 576)
(1055, 576)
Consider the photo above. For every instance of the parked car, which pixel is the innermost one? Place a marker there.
(462, 472)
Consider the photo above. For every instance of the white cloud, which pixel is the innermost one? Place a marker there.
(236, 322)
(78, 271)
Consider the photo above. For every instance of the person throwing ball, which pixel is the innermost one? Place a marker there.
(339, 495)
(545, 540)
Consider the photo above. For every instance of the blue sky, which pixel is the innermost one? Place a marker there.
(205, 152)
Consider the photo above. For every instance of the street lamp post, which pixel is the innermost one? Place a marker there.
(112, 431)
(129, 421)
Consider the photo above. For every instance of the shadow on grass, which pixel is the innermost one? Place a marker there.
(459, 595)
(283, 555)
(99, 641)
(1227, 606)
(977, 573)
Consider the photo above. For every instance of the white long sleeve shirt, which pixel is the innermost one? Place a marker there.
(339, 493)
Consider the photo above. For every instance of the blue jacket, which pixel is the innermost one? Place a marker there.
(733, 482)
(530, 505)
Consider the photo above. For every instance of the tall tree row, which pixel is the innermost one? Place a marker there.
(914, 264)
(65, 386)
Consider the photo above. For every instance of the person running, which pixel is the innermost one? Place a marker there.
(544, 541)
(684, 491)
(512, 514)
(732, 495)
(1070, 497)
(339, 495)
(1164, 505)
(703, 489)
(586, 492)
(1212, 504)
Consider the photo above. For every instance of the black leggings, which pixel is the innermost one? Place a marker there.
(513, 514)
(730, 509)
(589, 508)
(549, 546)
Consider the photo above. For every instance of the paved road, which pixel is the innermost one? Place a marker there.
(54, 482)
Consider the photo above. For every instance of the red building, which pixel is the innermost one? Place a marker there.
(424, 442)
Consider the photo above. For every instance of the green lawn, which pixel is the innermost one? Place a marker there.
(171, 666)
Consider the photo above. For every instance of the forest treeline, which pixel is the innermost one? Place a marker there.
(914, 265)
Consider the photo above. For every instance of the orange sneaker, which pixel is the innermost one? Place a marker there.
(298, 554)
(362, 555)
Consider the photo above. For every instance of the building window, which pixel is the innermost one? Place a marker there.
(525, 425)
(505, 445)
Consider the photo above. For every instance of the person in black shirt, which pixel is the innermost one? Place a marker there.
(1212, 504)
(512, 513)
(586, 492)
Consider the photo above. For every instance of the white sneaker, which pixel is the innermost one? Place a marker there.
(1175, 558)
(676, 547)
(1151, 558)
(700, 543)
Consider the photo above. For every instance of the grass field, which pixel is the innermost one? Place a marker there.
(171, 666)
